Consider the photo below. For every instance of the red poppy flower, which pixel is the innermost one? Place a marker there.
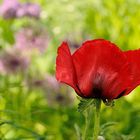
(98, 69)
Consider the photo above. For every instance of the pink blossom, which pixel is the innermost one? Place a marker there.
(9, 8)
(29, 9)
(30, 39)
(13, 61)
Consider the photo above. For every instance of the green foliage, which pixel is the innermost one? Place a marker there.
(85, 104)
(6, 32)
(28, 111)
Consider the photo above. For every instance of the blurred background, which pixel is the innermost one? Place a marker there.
(33, 105)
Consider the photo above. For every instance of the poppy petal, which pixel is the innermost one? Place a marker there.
(134, 59)
(65, 71)
(102, 69)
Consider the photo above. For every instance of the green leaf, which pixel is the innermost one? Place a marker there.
(84, 104)
(105, 126)
(78, 132)
(2, 103)
(7, 31)
(108, 124)
(22, 128)
(127, 137)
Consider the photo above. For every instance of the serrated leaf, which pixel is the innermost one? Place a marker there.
(84, 104)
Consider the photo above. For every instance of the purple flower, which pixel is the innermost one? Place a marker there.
(12, 61)
(28, 39)
(12, 9)
(29, 9)
(9, 8)
(49, 82)
(55, 93)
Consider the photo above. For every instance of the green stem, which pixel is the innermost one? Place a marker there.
(88, 116)
(97, 119)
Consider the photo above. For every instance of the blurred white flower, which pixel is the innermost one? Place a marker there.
(101, 138)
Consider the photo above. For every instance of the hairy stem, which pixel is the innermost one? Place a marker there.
(97, 119)
(88, 116)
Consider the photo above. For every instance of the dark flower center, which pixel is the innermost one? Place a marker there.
(97, 89)
(97, 92)
(14, 63)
